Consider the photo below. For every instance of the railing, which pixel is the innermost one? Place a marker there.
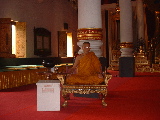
(12, 79)
(24, 75)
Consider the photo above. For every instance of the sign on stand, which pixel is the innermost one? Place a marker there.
(48, 95)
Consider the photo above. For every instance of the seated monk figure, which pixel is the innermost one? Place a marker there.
(87, 67)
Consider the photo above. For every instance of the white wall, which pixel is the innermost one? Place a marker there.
(49, 14)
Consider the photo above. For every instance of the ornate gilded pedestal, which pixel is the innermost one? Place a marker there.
(83, 89)
(114, 65)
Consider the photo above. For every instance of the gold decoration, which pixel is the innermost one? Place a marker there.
(116, 14)
(114, 65)
(12, 79)
(89, 34)
(20, 39)
(83, 89)
(126, 45)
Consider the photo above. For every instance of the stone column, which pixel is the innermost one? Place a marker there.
(140, 18)
(126, 62)
(126, 32)
(90, 25)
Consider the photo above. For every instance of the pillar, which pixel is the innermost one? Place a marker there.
(140, 26)
(140, 18)
(156, 36)
(90, 25)
(126, 62)
(157, 21)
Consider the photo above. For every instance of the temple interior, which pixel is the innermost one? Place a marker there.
(35, 30)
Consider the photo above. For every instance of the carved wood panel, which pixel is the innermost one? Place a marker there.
(20, 39)
(5, 38)
(62, 44)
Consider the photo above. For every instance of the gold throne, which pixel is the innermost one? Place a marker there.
(83, 89)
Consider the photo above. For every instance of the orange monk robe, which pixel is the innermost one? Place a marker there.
(88, 70)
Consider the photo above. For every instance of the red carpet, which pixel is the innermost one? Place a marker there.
(131, 98)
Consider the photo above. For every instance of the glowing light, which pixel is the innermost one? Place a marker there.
(69, 45)
(13, 39)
